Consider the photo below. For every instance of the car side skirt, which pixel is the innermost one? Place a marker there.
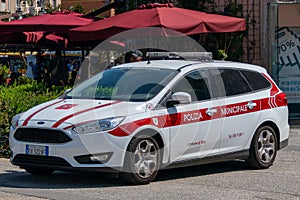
(283, 143)
(240, 155)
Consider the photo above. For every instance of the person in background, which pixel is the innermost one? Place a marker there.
(16, 67)
(29, 72)
(134, 56)
(37, 70)
(58, 70)
(13, 78)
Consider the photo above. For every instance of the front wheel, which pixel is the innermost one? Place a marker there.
(263, 148)
(142, 161)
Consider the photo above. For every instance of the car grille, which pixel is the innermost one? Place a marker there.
(22, 159)
(41, 135)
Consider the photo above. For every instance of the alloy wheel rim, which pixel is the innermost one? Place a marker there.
(266, 146)
(145, 158)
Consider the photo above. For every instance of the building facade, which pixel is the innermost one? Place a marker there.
(283, 49)
(33, 7)
(88, 6)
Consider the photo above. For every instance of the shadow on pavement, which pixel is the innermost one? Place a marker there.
(201, 170)
(63, 180)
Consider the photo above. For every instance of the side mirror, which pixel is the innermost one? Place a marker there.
(179, 98)
(67, 91)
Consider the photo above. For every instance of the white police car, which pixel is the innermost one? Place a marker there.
(138, 118)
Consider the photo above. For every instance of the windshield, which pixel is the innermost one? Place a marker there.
(125, 84)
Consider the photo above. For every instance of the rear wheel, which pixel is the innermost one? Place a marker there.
(38, 171)
(142, 161)
(263, 148)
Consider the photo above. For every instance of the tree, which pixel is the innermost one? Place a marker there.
(50, 9)
(77, 8)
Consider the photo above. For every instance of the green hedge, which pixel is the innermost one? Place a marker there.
(19, 98)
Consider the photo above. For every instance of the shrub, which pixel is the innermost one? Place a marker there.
(17, 99)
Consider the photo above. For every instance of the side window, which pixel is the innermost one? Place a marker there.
(194, 83)
(231, 82)
(256, 80)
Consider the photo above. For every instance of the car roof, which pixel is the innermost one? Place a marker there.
(160, 64)
(239, 65)
(180, 64)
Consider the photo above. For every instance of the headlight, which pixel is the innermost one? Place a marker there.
(15, 120)
(98, 125)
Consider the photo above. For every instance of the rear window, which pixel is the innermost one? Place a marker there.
(256, 80)
(230, 82)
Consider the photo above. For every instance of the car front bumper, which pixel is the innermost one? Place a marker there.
(83, 152)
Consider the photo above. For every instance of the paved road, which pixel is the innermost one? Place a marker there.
(230, 180)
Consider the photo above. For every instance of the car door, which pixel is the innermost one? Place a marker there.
(239, 106)
(195, 128)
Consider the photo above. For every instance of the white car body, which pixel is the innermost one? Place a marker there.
(217, 129)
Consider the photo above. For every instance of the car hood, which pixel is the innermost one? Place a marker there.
(60, 113)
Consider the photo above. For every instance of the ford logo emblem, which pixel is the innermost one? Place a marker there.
(40, 123)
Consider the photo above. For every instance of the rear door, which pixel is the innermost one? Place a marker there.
(239, 107)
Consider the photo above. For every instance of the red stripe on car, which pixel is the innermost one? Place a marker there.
(59, 122)
(274, 89)
(36, 112)
(195, 116)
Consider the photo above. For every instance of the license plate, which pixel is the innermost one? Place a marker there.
(37, 150)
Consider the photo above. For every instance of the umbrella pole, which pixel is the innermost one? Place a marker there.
(82, 55)
(64, 49)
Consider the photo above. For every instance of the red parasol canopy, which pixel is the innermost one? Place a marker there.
(159, 15)
(33, 37)
(56, 39)
(59, 22)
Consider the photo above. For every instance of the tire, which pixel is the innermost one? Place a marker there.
(38, 171)
(142, 161)
(263, 148)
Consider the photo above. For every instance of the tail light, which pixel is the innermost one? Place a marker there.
(281, 99)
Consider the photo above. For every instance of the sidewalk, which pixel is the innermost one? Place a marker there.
(15, 196)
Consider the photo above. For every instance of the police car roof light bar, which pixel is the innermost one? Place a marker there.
(202, 56)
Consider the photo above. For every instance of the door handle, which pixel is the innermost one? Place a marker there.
(251, 105)
(210, 111)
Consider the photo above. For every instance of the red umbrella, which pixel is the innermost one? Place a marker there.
(33, 37)
(20, 37)
(42, 37)
(159, 15)
(56, 39)
(59, 22)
